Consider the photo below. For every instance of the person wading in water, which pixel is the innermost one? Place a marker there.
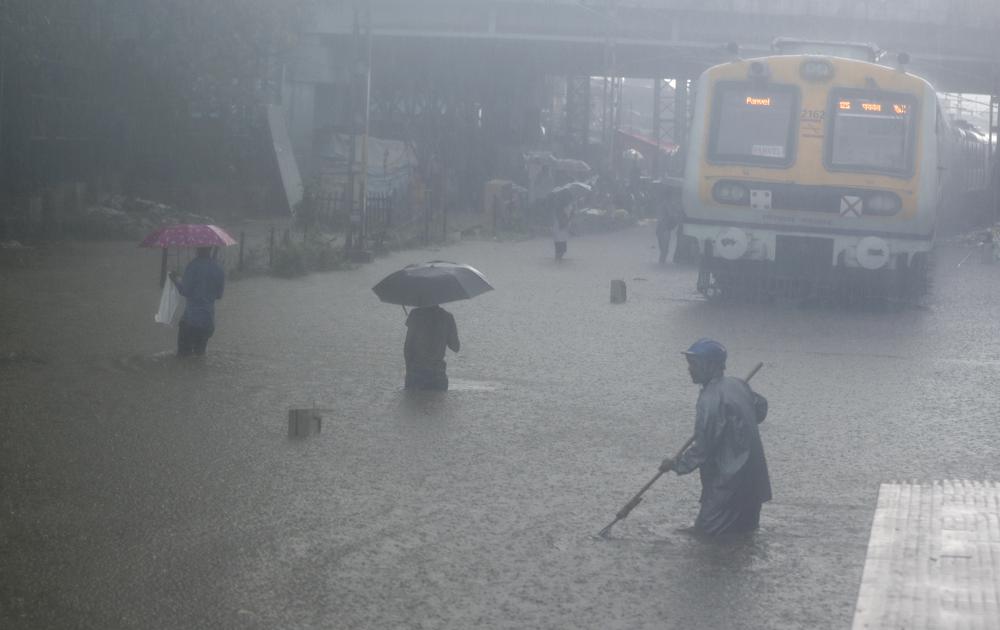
(727, 450)
(429, 330)
(202, 284)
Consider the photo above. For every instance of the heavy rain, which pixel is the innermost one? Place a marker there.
(499, 314)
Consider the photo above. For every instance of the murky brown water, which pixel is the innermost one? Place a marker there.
(142, 491)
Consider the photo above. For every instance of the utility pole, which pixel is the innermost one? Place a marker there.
(657, 97)
(610, 17)
(354, 216)
(612, 129)
(681, 99)
(994, 162)
(360, 94)
(3, 92)
(367, 107)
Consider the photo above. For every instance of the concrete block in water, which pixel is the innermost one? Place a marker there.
(618, 291)
(304, 422)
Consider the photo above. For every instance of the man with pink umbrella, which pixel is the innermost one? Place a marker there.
(202, 283)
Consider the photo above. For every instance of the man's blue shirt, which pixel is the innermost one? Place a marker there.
(202, 285)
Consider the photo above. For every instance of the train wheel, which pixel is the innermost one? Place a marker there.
(704, 280)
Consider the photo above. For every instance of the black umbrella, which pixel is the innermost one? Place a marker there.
(566, 194)
(435, 282)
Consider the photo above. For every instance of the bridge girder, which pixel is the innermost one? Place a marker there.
(956, 49)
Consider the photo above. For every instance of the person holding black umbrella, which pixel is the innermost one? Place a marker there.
(563, 203)
(429, 330)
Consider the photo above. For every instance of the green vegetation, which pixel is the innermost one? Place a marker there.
(292, 259)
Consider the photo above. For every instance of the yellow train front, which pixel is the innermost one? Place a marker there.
(812, 173)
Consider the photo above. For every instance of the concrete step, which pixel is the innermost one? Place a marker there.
(933, 557)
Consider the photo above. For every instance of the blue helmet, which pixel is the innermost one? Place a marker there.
(708, 349)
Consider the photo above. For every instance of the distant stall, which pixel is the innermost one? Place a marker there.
(546, 171)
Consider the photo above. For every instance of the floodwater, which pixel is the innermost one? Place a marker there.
(141, 491)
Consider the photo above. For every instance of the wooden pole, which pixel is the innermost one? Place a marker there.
(444, 221)
(367, 116)
(496, 202)
(427, 212)
(163, 268)
(657, 132)
(243, 238)
(270, 249)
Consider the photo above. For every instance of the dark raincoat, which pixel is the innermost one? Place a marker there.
(429, 330)
(728, 453)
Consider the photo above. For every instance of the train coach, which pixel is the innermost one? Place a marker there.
(820, 172)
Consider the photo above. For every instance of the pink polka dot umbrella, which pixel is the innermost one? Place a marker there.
(189, 235)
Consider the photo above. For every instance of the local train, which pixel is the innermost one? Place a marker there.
(821, 172)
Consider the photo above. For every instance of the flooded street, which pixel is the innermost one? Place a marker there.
(141, 491)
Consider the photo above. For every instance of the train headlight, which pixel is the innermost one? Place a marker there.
(883, 204)
(758, 71)
(731, 243)
(816, 70)
(731, 192)
(872, 252)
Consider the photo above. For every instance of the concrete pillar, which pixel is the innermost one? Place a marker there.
(657, 132)
(578, 113)
(681, 112)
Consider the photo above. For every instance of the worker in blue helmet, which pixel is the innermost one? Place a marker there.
(727, 450)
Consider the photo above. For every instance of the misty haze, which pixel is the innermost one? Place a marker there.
(555, 314)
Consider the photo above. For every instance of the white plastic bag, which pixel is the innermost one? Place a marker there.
(169, 301)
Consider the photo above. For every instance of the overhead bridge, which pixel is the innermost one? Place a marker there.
(952, 43)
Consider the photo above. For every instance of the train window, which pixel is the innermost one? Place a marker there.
(753, 123)
(871, 130)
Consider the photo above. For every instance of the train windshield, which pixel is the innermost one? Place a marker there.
(871, 132)
(753, 124)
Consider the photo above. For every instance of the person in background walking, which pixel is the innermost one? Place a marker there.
(669, 217)
(727, 450)
(202, 284)
(429, 330)
(560, 228)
